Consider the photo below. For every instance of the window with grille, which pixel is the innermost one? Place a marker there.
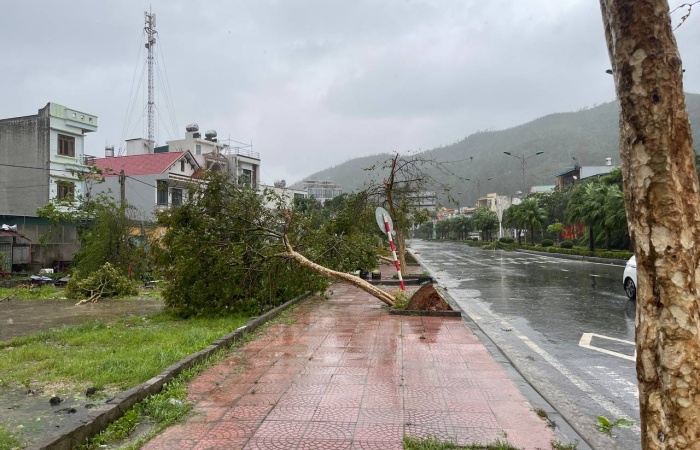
(66, 145)
(162, 190)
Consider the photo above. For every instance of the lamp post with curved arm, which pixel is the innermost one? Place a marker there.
(523, 163)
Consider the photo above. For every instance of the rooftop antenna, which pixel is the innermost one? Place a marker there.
(151, 32)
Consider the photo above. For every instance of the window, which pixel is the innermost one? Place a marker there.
(162, 190)
(182, 165)
(66, 145)
(198, 149)
(66, 190)
(247, 176)
(177, 196)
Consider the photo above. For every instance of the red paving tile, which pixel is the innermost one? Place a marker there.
(344, 374)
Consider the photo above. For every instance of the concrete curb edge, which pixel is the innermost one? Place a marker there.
(114, 408)
(593, 259)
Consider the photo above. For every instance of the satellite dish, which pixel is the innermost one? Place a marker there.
(380, 213)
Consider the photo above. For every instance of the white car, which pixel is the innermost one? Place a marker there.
(629, 278)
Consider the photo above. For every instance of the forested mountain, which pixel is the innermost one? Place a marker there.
(589, 135)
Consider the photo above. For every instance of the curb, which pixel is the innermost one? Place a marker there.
(408, 312)
(114, 408)
(593, 259)
(534, 396)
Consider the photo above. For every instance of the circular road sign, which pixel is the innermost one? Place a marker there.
(379, 214)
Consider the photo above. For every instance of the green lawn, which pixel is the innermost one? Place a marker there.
(114, 355)
(7, 441)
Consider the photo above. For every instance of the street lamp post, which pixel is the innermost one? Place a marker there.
(523, 163)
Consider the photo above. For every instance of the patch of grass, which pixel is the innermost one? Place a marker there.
(47, 291)
(556, 445)
(113, 355)
(542, 414)
(431, 443)
(8, 441)
(161, 410)
(402, 299)
(158, 411)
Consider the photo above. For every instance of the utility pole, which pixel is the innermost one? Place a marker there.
(151, 33)
(122, 188)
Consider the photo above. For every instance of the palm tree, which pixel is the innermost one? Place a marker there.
(532, 215)
(513, 219)
(615, 217)
(586, 206)
(486, 221)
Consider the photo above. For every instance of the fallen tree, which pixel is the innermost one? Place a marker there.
(342, 276)
(231, 248)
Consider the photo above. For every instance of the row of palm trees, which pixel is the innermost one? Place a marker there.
(598, 205)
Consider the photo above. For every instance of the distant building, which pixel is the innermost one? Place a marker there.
(424, 200)
(287, 195)
(216, 155)
(40, 158)
(322, 190)
(572, 175)
(488, 201)
(546, 189)
(211, 154)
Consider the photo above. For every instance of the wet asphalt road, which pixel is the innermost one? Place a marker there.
(567, 326)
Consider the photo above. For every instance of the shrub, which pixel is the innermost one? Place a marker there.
(104, 282)
(507, 240)
(547, 243)
(566, 244)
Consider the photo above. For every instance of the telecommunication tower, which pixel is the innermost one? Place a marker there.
(151, 33)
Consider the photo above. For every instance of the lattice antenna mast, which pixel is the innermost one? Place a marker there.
(151, 33)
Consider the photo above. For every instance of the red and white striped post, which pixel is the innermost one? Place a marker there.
(393, 251)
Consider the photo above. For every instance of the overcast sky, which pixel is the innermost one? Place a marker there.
(316, 82)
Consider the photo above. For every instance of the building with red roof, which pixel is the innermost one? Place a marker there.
(151, 182)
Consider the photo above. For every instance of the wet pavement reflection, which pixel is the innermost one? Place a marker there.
(343, 373)
(567, 325)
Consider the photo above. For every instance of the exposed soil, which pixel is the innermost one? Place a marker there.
(427, 298)
(19, 317)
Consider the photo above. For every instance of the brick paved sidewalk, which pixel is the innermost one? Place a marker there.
(344, 374)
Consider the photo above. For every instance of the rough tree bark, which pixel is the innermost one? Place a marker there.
(661, 199)
(355, 281)
(389, 185)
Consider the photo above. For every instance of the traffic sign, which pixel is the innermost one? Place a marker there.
(379, 214)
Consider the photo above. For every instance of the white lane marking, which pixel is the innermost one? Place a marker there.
(585, 342)
(575, 380)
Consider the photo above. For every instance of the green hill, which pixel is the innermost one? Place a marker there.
(589, 135)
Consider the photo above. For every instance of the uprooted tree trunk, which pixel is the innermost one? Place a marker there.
(355, 281)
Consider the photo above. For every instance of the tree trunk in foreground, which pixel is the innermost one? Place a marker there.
(661, 199)
(355, 281)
